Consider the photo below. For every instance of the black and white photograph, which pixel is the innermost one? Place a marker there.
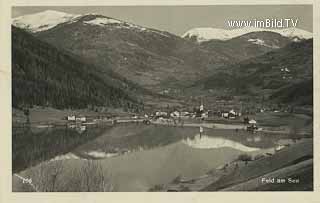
(163, 98)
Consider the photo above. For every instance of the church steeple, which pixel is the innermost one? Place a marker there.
(201, 106)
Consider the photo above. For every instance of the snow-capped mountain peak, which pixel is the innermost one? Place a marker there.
(294, 33)
(207, 33)
(43, 20)
(49, 19)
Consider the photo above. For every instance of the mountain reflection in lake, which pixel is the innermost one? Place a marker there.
(32, 145)
(129, 138)
(140, 156)
(207, 142)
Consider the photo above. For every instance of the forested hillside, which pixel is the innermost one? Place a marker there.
(284, 74)
(46, 76)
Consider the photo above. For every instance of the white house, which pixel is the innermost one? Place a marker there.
(161, 113)
(175, 114)
(225, 115)
(81, 118)
(232, 114)
(204, 115)
(71, 118)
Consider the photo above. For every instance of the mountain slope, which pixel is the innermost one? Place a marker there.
(149, 57)
(154, 59)
(46, 76)
(300, 93)
(275, 74)
(247, 46)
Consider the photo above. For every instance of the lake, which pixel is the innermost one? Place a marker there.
(136, 157)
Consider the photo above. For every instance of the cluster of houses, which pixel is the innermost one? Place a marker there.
(197, 113)
(76, 118)
(178, 114)
(232, 114)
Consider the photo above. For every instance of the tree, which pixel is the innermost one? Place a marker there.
(52, 177)
(92, 178)
(293, 132)
(26, 112)
(245, 158)
(45, 177)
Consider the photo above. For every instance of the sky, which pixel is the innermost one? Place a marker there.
(179, 19)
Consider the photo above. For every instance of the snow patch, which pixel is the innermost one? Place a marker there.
(256, 41)
(295, 33)
(205, 34)
(43, 21)
(262, 43)
(208, 33)
(102, 21)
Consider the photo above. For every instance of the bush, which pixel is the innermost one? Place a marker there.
(157, 188)
(177, 179)
(244, 157)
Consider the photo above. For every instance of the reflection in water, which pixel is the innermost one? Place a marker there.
(65, 156)
(285, 142)
(99, 154)
(78, 127)
(102, 142)
(30, 146)
(143, 155)
(81, 129)
(254, 139)
(207, 142)
(257, 139)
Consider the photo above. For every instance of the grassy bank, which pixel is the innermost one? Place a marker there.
(287, 157)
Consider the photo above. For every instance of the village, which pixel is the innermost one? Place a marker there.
(220, 114)
(200, 116)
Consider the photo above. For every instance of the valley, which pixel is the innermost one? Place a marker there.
(133, 108)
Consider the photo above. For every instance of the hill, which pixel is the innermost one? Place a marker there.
(247, 46)
(46, 76)
(284, 74)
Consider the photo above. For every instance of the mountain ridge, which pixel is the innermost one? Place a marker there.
(158, 60)
(208, 33)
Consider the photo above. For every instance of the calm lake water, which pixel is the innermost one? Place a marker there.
(138, 157)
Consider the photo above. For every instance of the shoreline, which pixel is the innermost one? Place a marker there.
(229, 177)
